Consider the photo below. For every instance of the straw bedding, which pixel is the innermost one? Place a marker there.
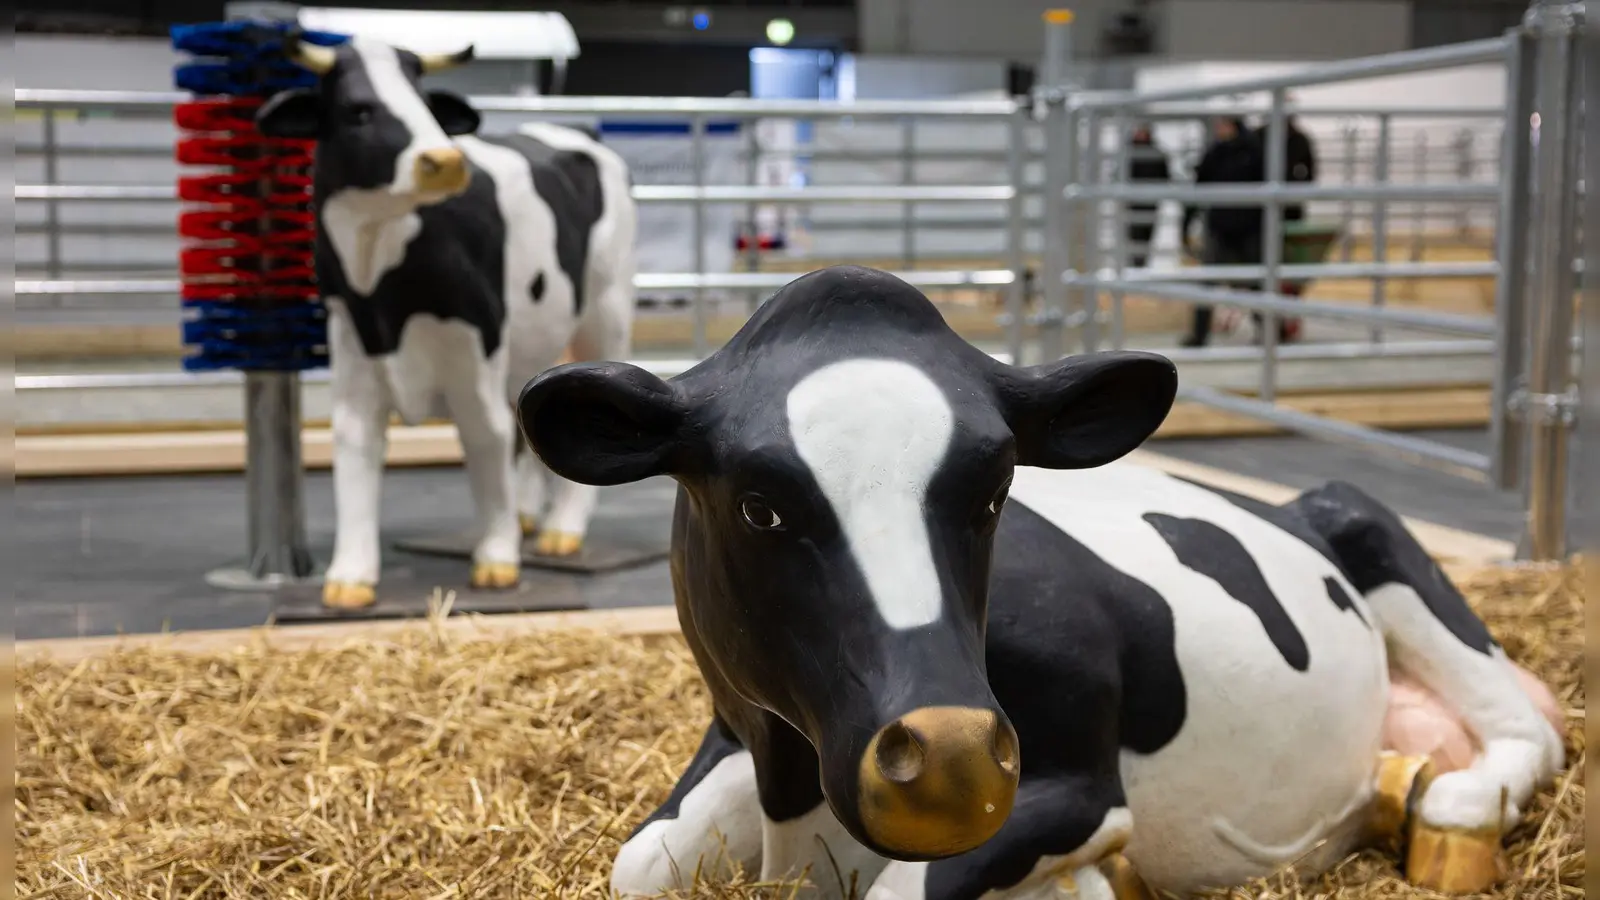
(439, 768)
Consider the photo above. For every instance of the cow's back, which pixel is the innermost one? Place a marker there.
(566, 177)
(1238, 673)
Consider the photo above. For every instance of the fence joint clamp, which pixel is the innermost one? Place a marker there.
(1545, 409)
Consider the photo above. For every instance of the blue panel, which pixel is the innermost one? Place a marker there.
(655, 127)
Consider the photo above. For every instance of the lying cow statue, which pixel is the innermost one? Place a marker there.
(454, 267)
(957, 651)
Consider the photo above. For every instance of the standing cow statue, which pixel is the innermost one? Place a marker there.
(455, 267)
(956, 651)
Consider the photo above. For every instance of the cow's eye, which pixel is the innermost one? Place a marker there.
(998, 501)
(359, 114)
(758, 515)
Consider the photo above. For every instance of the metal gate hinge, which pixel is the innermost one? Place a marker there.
(1545, 409)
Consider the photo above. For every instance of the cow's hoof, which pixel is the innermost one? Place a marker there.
(495, 575)
(1453, 861)
(1124, 879)
(1401, 782)
(528, 524)
(557, 543)
(348, 595)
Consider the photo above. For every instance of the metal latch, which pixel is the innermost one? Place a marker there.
(1545, 409)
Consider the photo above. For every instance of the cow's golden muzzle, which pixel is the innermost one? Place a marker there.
(938, 781)
(441, 171)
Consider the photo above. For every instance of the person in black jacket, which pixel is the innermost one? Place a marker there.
(1146, 163)
(1300, 163)
(1232, 232)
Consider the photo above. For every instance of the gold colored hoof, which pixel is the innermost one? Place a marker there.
(1454, 862)
(557, 543)
(348, 595)
(495, 575)
(528, 524)
(1124, 879)
(1401, 782)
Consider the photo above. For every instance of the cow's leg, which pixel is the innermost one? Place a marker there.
(360, 421)
(604, 334)
(1063, 841)
(1437, 639)
(532, 488)
(711, 820)
(488, 432)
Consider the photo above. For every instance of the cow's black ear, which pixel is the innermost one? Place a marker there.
(291, 114)
(604, 423)
(1086, 411)
(454, 114)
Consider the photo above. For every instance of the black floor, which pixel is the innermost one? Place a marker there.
(109, 555)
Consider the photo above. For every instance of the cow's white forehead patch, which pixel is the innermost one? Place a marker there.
(874, 432)
(397, 95)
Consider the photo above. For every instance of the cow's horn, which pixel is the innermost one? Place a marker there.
(433, 62)
(315, 57)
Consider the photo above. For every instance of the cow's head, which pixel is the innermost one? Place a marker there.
(379, 132)
(845, 459)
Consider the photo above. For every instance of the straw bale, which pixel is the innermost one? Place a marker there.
(430, 766)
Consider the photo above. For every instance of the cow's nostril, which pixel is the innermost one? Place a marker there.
(900, 754)
(1005, 748)
(429, 165)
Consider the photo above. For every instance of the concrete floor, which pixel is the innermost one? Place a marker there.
(108, 555)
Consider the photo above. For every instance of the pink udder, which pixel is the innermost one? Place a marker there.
(1419, 724)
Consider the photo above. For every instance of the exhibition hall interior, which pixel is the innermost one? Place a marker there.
(827, 449)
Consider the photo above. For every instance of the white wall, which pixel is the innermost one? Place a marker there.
(1189, 29)
(95, 63)
(1285, 29)
(878, 77)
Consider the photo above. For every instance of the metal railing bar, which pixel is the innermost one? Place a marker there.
(1445, 57)
(664, 368)
(1431, 454)
(1213, 193)
(1345, 350)
(1481, 269)
(645, 281)
(666, 193)
(32, 98)
(1421, 320)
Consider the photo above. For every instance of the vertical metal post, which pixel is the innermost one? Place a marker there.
(752, 211)
(52, 211)
(697, 162)
(1120, 247)
(1551, 284)
(1380, 219)
(908, 177)
(1272, 238)
(1347, 211)
(1057, 46)
(1586, 467)
(1016, 302)
(1511, 252)
(273, 477)
(1060, 157)
(274, 473)
(1463, 147)
(1086, 249)
(1060, 163)
(1418, 233)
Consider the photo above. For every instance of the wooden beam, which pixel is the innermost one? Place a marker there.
(644, 620)
(1444, 543)
(222, 450)
(1449, 545)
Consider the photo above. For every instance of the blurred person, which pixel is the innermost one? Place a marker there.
(1147, 164)
(1231, 233)
(1300, 164)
